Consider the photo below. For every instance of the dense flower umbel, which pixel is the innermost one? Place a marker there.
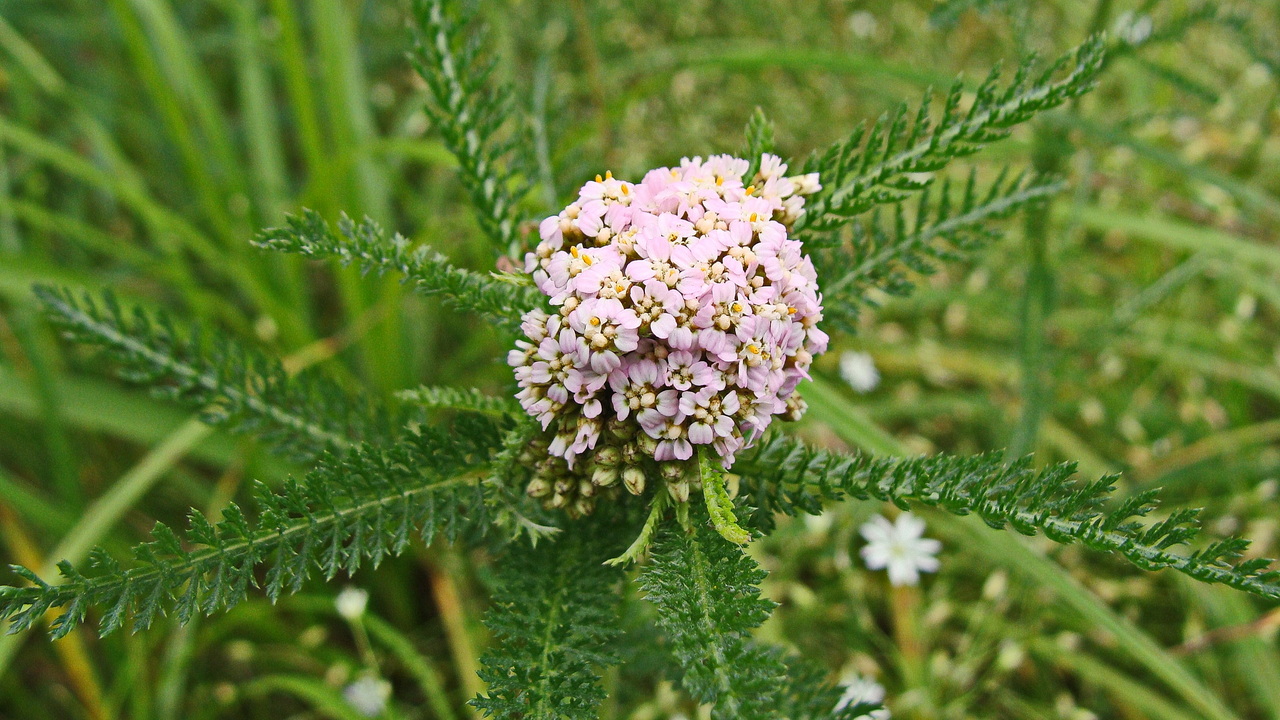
(686, 317)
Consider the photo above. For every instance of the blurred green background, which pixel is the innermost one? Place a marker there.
(1129, 326)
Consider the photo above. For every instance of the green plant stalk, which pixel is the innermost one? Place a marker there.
(130, 692)
(428, 679)
(10, 241)
(164, 225)
(302, 103)
(325, 700)
(101, 407)
(1250, 195)
(657, 509)
(262, 128)
(849, 421)
(1177, 234)
(453, 616)
(191, 88)
(41, 218)
(35, 507)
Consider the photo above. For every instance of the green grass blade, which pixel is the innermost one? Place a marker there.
(106, 511)
(1178, 235)
(324, 699)
(429, 681)
(146, 61)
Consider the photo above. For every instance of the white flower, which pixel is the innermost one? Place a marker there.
(857, 690)
(859, 370)
(368, 695)
(1133, 29)
(899, 547)
(351, 603)
(863, 24)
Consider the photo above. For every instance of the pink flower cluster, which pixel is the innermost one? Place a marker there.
(686, 317)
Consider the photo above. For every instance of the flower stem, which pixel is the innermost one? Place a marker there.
(645, 537)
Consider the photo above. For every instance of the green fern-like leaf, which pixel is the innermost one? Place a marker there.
(782, 475)
(354, 507)
(943, 226)
(244, 390)
(465, 399)
(367, 245)
(705, 589)
(760, 140)
(554, 616)
(893, 159)
(470, 115)
(809, 696)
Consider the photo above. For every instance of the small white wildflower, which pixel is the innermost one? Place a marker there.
(1134, 29)
(863, 24)
(857, 690)
(900, 547)
(351, 603)
(859, 370)
(368, 695)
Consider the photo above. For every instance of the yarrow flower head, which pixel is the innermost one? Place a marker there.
(684, 318)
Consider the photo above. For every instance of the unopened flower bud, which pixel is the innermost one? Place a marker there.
(679, 491)
(583, 506)
(647, 444)
(633, 479)
(538, 487)
(672, 471)
(604, 476)
(796, 407)
(607, 456)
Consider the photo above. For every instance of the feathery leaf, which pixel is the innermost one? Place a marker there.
(367, 245)
(244, 390)
(898, 154)
(943, 227)
(781, 475)
(360, 505)
(708, 601)
(554, 616)
(436, 397)
(470, 115)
